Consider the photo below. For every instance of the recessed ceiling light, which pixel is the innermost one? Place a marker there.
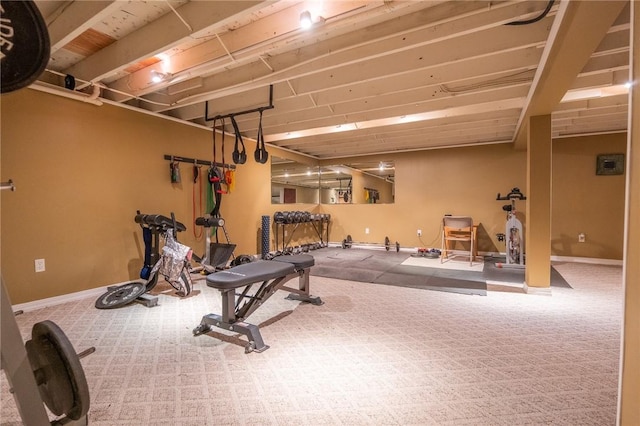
(305, 20)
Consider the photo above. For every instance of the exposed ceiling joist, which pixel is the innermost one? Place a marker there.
(368, 78)
(576, 33)
(75, 19)
(158, 36)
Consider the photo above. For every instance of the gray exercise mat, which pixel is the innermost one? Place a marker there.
(385, 267)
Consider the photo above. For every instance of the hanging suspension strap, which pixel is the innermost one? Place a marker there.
(260, 154)
(214, 176)
(223, 174)
(239, 157)
(196, 178)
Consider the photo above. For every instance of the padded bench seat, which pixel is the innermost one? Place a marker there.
(249, 273)
(299, 261)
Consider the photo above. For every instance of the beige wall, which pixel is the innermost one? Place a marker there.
(304, 194)
(82, 171)
(584, 202)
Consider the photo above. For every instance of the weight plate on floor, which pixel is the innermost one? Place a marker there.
(58, 372)
(121, 295)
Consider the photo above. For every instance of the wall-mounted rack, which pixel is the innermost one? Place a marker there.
(8, 185)
(198, 162)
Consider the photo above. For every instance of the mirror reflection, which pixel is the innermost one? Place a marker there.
(358, 183)
(364, 182)
(293, 182)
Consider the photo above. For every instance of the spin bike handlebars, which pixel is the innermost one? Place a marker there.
(515, 194)
(159, 221)
(210, 221)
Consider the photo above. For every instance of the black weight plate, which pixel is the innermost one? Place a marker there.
(289, 217)
(61, 381)
(24, 45)
(121, 295)
(279, 217)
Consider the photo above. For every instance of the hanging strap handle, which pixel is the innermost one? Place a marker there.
(239, 157)
(214, 141)
(260, 154)
(224, 162)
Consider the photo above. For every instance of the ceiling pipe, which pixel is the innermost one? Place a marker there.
(78, 96)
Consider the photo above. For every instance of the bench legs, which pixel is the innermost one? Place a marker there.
(237, 307)
(211, 321)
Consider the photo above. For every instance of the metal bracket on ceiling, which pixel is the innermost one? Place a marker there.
(234, 114)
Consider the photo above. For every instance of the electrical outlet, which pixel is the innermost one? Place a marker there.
(39, 265)
(582, 237)
(366, 230)
(419, 232)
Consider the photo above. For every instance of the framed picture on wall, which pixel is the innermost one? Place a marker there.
(610, 164)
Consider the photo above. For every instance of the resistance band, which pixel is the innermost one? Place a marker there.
(147, 238)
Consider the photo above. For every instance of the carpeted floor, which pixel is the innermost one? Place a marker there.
(392, 268)
(371, 355)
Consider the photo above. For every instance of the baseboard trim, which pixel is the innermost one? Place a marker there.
(96, 292)
(59, 300)
(537, 291)
(505, 284)
(591, 260)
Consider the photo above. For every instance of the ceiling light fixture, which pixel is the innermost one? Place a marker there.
(305, 20)
(157, 77)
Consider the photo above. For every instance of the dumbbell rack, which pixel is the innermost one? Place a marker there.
(320, 223)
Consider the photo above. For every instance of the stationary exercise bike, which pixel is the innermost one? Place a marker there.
(173, 264)
(513, 236)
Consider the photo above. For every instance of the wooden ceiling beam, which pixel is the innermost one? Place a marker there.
(76, 18)
(578, 29)
(349, 56)
(465, 72)
(499, 99)
(158, 36)
(470, 124)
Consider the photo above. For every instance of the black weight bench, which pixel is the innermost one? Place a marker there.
(269, 276)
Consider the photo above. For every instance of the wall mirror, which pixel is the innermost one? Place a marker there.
(365, 182)
(293, 182)
(356, 182)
